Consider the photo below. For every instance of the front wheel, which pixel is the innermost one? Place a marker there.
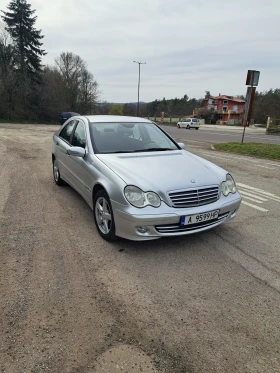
(188, 127)
(178, 125)
(103, 216)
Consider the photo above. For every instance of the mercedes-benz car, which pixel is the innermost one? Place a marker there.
(140, 183)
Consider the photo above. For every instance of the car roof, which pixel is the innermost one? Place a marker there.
(115, 118)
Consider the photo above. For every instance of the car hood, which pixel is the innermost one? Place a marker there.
(164, 171)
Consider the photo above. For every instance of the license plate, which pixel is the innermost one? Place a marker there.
(199, 218)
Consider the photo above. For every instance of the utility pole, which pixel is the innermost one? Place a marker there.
(139, 64)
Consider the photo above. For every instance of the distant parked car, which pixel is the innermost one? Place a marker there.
(66, 115)
(189, 123)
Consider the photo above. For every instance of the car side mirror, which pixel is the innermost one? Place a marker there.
(182, 145)
(76, 151)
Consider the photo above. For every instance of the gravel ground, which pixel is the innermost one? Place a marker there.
(71, 302)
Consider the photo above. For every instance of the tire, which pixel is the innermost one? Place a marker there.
(178, 126)
(102, 205)
(188, 127)
(196, 128)
(56, 174)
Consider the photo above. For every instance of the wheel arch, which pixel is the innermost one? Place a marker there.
(96, 189)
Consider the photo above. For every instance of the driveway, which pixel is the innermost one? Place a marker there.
(71, 302)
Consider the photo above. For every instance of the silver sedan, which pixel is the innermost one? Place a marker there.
(140, 183)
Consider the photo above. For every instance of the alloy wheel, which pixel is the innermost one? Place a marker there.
(103, 215)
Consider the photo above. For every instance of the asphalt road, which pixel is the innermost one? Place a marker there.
(73, 303)
(213, 136)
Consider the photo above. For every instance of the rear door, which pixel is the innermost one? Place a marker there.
(63, 143)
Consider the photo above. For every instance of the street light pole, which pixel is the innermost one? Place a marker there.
(139, 63)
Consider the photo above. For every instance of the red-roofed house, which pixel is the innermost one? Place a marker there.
(230, 110)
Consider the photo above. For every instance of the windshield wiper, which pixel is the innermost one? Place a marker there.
(142, 150)
(122, 151)
(153, 150)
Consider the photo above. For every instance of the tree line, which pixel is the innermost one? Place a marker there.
(266, 104)
(30, 91)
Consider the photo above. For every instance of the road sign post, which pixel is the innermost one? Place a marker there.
(252, 81)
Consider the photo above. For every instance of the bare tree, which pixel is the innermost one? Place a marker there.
(88, 92)
(80, 87)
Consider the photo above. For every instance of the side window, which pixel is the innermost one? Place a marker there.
(189, 120)
(79, 137)
(66, 133)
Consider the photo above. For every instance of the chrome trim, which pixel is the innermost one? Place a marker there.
(175, 228)
(193, 197)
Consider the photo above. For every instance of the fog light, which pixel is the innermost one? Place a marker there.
(142, 229)
(233, 214)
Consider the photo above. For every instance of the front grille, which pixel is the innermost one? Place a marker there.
(177, 228)
(194, 197)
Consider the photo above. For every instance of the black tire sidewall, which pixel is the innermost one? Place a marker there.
(111, 236)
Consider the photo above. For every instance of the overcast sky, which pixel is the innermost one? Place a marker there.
(189, 45)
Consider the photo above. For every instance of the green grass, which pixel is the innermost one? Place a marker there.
(271, 151)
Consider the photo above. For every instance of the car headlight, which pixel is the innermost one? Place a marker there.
(228, 186)
(136, 197)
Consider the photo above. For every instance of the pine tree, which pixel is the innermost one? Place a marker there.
(20, 21)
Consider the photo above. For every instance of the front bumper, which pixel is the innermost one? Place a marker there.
(167, 221)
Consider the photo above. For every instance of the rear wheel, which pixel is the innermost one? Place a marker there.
(103, 216)
(196, 128)
(56, 174)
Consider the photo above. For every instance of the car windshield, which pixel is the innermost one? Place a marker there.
(129, 138)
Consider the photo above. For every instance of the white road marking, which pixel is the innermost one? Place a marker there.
(252, 199)
(270, 168)
(252, 195)
(272, 196)
(253, 136)
(273, 164)
(241, 158)
(254, 207)
(230, 157)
